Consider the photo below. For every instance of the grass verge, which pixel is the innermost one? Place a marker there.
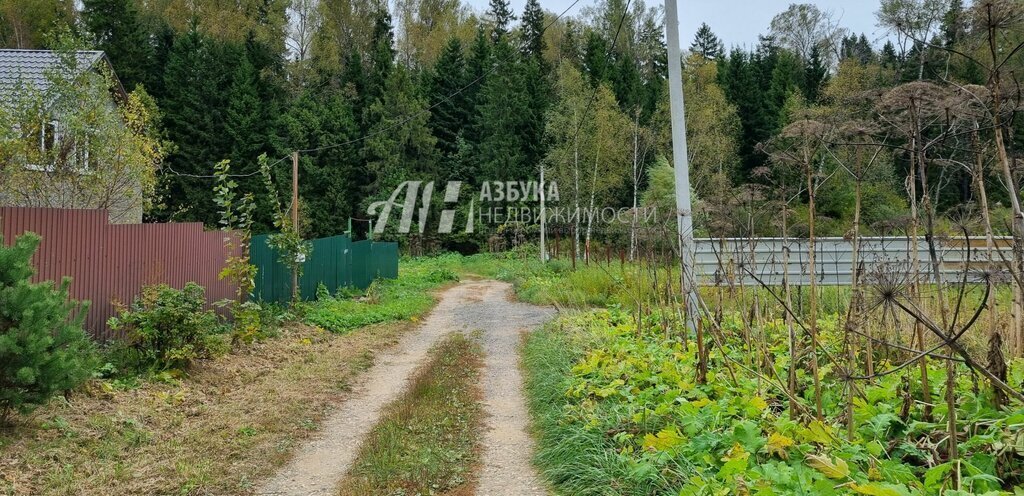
(569, 456)
(219, 430)
(426, 442)
(386, 300)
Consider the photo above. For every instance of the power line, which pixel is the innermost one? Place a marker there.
(409, 118)
(448, 98)
(210, 176)
(593, 95)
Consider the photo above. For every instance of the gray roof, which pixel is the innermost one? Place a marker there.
(31, 66)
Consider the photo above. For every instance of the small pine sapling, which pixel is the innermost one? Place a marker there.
(43, 349)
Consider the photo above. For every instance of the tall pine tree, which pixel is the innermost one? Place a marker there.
(321, 119)
(706, 43)
(191, 116)
(500, 16)
(451, 111)
(117, 30)
(532, 31)
(503, 118)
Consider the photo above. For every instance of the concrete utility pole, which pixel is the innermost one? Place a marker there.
(295, 217)
(681, 162)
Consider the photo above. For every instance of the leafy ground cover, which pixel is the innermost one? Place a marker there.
(426, 442)
(617, 411)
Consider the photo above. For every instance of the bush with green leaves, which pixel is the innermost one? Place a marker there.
(166, 328)
(43, 349)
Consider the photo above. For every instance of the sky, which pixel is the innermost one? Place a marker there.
(737, 22)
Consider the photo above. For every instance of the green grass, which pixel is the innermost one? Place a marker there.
(387, 300)
(426, 442)
(571, 457)
(228, 424)
(619, 411)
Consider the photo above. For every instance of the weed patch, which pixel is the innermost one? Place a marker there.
(617, 410)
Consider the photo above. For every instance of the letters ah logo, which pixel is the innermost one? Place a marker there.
(382, 209)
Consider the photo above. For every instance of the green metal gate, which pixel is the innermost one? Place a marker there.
(336, 262)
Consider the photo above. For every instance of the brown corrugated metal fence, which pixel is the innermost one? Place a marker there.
(109, 264)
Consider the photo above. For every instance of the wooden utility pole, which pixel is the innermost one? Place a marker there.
(543, 220)
(295, 218)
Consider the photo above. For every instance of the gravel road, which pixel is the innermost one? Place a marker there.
(481, 306)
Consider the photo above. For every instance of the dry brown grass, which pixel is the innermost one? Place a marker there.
(219, 430)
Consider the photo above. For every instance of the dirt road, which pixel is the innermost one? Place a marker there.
(482, 306)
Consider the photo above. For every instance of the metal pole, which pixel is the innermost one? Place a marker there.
(684, 211)
(295, 217)
(543, 214)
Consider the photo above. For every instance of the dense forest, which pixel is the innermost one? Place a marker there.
(372, 95)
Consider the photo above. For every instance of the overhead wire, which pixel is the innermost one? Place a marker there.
(446, 99)
(414, 115)
(210, 176)
(593, 94)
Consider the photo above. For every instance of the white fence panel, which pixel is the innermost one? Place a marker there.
(727, 261)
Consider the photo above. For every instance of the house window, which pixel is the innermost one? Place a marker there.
(81, 154)
(49, 136)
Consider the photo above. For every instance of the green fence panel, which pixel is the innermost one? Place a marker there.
(385, 260)
(273, 279)
(335, 262)
(362, 275)
(326, 265)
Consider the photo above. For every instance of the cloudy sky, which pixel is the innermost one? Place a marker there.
(737, 22)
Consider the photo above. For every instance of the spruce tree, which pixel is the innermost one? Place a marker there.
(626, 82)
(538, 95)
(189, 110)
(500, 16)
(197, 87)
(889, 57)
(382, 56)
(706, 43)
(244, 118)
(815, 75)
(399, 146)
(595, 59)
(248, 125)
(353, 84)
(450, 112)
(502, 119)
(117, 30)
(43, 349)
(954, 24)
(856, 48)
(478, 70)
(787, 77)
(332, 176)
(533, 31)
(569, 49)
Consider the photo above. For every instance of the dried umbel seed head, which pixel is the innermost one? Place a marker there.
(996, 14)
(887, 283)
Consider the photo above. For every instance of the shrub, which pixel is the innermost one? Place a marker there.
(253, 321)
(43, 349)
(166, 328)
